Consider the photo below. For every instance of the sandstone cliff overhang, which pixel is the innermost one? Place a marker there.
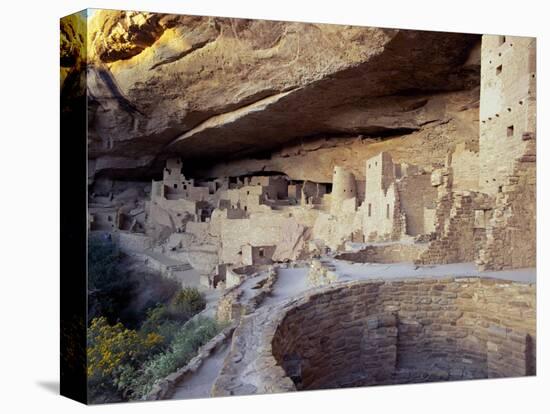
(210, 89)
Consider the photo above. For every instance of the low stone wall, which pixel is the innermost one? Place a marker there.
(264, 289)
(165, 269)
(231, 306)
(320, 274)
(165, 388)
(386, 253)
(385, 332)
(232, 278)
(235, 276)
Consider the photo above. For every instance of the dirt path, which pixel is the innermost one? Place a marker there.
(200, 383)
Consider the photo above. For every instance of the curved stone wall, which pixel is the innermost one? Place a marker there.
(385, 332)
(343, 188)
(408, 331)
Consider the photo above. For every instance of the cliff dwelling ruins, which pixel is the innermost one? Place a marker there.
(357, 204)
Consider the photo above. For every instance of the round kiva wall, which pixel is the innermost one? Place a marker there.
(369, 333)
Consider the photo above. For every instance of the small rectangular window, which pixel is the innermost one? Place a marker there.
(370, 209)
(501, 40)
(499, 69)
(387, 211)
(510, 131)
(261, 252)
(175, 186)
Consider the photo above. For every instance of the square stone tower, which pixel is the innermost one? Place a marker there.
(507, 106)
(381, 205)
(379, 173)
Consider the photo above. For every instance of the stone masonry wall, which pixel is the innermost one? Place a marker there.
(381, 209)
(258, 230)
(508, 150)
(229, 307)
(512, 231)
(413, 331)
(375, 332)
(455, 235)
(505, 235)
(386, 253)
(343, 188)
(465, 167)
(415, 195)
(507, 106)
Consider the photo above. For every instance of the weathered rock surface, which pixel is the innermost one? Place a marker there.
(211, 89)
(453, 119)
(375, 332)
(72, 56)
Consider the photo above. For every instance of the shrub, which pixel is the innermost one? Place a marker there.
(124, 361)
(184, 346)
(160, 320)
(188, 302)
(110, 346)
(151, 289)
(102, 261)
(156, 316)
(120, 292)
(112, 351)
(109, 290)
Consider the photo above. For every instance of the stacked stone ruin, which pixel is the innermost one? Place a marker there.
(478, 205)
(385, 332)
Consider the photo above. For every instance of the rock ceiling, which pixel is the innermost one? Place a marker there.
(213, 89)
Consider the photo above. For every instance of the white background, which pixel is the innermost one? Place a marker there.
(29, 205)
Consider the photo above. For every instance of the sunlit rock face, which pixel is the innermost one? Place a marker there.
(73, 55)
(212, 89)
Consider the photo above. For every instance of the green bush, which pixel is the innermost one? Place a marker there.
(160, 320)
(109, 289)
(119, 292)
(102, 264)
(195, 333)
(156, 316)
(139, 328)
(113, 348)
(188, 302)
